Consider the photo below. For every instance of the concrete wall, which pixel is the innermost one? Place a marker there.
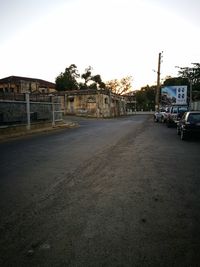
(195, 105)
(94, 104)
(12, 111)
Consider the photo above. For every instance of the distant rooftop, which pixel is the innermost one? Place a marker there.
(16, 79)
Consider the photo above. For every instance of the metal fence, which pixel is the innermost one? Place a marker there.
(29, 108)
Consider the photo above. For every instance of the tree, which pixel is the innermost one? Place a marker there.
(174, 81)
(87, 76)
(113, 85)
(145, 98)
(140, 100)
(67, 80)
(97, 79)
(192, 74)
(120, 86)
(126, 84)
(91, 81)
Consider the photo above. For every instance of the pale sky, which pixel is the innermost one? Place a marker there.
(118, 38)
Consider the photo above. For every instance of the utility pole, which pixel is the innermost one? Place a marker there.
(190, 103)
(158, 82)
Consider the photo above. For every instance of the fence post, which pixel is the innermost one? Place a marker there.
(28, 126)
(53, 111)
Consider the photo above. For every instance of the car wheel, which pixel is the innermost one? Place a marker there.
(155, 119)
(183, 135)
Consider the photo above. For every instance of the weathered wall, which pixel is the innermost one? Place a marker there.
(94, 104)
(16, 111)
(12, 112)
(22, 86)
(195, 105)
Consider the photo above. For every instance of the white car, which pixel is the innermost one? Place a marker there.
(161, 115)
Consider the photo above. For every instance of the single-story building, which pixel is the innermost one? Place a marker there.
(93, 103)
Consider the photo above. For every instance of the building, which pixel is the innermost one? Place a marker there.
(131, 103)
(93, 103)
(16, 84)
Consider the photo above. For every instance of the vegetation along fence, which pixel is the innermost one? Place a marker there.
(28, 108)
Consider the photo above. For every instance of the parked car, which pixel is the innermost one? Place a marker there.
(161, 115)
(175, 114)
(189, 125)
(165, 115)
(157, 116)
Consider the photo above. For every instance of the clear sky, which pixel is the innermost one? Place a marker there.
(118, 38)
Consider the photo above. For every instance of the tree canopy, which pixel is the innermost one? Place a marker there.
(70, 79)
(191, 74)
(145, 98)
(185, 76)
(174, 81)
(91, 81)
(120, 86)
(67, 80)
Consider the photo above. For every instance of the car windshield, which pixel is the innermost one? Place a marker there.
(195, 117)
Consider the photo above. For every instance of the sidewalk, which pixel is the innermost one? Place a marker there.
(14, 131)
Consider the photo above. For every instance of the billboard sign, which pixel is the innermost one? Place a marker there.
(174, 95)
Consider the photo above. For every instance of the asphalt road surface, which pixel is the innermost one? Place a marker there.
(113, 192)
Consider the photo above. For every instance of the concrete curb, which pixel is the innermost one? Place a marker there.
(5, 134)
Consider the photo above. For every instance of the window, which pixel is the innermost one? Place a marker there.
(71, 98)
(194, 117)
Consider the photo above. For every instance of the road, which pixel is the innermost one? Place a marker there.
(113, 192)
